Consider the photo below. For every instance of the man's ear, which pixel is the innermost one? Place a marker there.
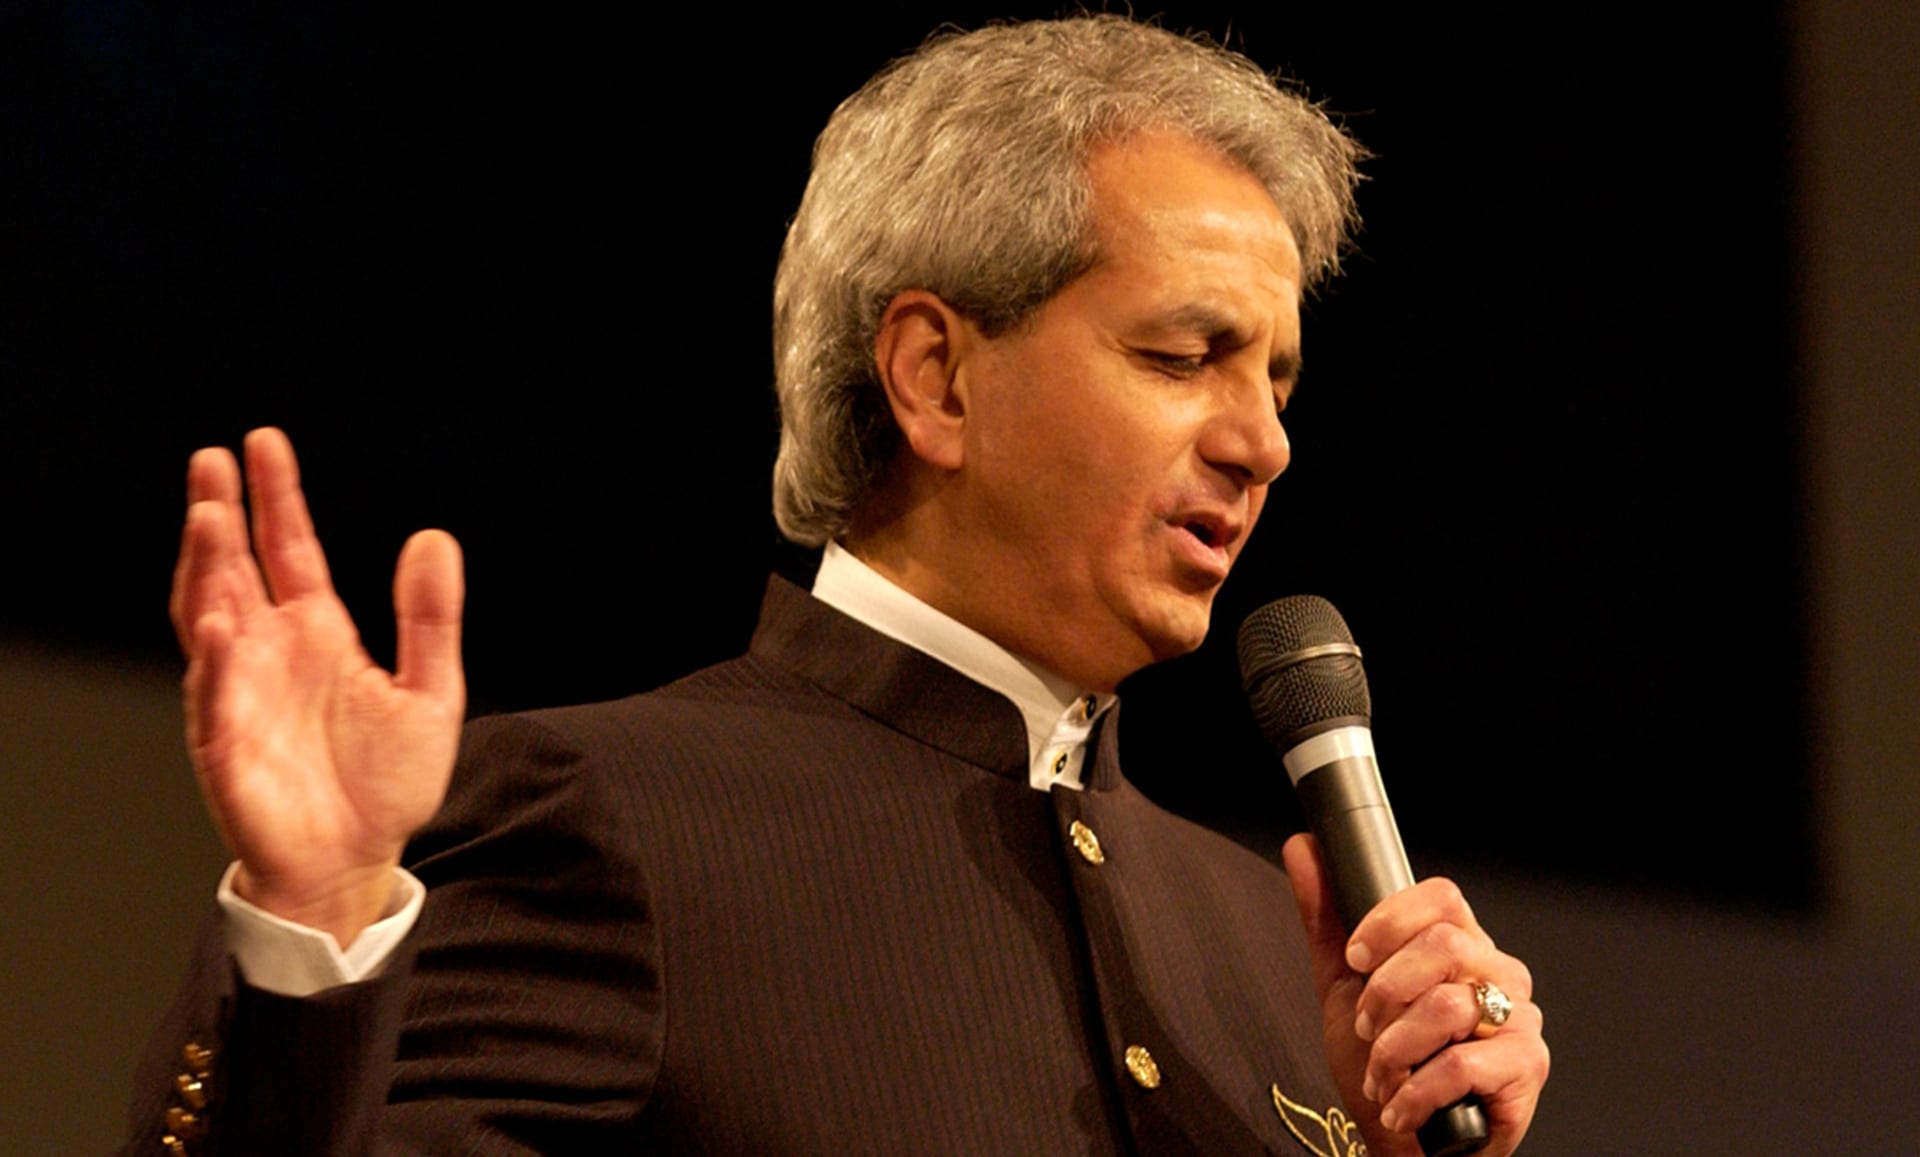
(919, 353)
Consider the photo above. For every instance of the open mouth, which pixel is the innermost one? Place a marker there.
(1210, 540)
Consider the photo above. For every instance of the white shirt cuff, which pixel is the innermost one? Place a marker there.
(291, 959)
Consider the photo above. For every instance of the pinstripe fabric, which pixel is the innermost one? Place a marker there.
(805, 902)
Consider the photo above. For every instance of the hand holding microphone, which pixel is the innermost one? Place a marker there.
(1413, 992)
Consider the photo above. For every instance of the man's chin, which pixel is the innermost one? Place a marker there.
(1182, 630)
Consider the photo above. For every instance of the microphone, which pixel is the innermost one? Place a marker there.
(1309, 697)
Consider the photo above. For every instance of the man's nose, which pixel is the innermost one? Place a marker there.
(1246, 439)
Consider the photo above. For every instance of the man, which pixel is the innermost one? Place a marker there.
(1035, 322)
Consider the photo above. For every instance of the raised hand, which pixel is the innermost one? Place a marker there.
(316, 764)
(1401, 1026)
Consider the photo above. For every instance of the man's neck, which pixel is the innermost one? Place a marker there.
(849, 585)
(912, 535)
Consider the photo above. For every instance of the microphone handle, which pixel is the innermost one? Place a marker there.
(1366, 863)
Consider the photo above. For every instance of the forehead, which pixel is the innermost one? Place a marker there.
(1179, 209)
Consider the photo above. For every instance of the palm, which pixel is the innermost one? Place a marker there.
(314, 746)
(316, 763)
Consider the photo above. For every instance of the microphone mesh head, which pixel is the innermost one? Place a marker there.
(1290, 697)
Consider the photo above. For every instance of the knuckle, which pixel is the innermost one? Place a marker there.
(1456, 1005)
(1386, 1044)
(1446, 940)
(1522, 978)
(1389, 995)
(1448, 1069)
(1447, 893)
(1378, 993)
(1387, 1076)
(1398, 1051)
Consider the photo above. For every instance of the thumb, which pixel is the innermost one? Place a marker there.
(1313, 895)
(428, 592)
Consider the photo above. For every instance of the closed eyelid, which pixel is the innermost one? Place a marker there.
(1222, 334)
(1285, 366)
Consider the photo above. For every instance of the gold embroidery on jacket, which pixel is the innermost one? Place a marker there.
(1334, 1135)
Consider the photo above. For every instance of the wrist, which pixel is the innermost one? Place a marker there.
(342, 904)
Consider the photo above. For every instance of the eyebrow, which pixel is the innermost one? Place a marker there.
(1215, 328)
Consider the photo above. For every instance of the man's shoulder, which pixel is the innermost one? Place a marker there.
(721, 699)
(593, 766)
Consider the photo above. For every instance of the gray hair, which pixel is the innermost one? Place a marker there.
(961, 170)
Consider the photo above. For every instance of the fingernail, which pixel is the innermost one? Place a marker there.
(1358, 958)
(1368, 1089)
(1390, 1117)
(1363, 1026)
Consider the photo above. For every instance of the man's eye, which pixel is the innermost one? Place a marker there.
(1179, 363)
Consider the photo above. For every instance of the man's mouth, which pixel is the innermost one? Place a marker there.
(1209, 538)
(1213, 530)
(1201, 531)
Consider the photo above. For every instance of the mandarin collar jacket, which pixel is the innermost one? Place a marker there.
(800, 902)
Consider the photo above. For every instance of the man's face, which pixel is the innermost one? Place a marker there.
(1118, 447)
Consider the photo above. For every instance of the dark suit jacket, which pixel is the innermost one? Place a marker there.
(801, 902)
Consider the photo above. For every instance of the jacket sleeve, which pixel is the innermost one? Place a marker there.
(524, 1014)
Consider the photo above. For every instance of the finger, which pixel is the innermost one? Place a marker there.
(1438, 955)
(429, 590)
(211, 648)
(1505, 1070)
(189, 593)
(209, 708)
(215, 572)
(1401, 916)
(213, 475)
(290, 554)
(1441, 1016)
(209, 473)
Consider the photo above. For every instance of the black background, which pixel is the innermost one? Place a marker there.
(508, 273)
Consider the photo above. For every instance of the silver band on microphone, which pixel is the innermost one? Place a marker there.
(1311, 755)
(1294, 658)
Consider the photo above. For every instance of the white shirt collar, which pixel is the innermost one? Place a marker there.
(1058, 715)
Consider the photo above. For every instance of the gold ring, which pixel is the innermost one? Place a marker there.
(1495, 1005)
